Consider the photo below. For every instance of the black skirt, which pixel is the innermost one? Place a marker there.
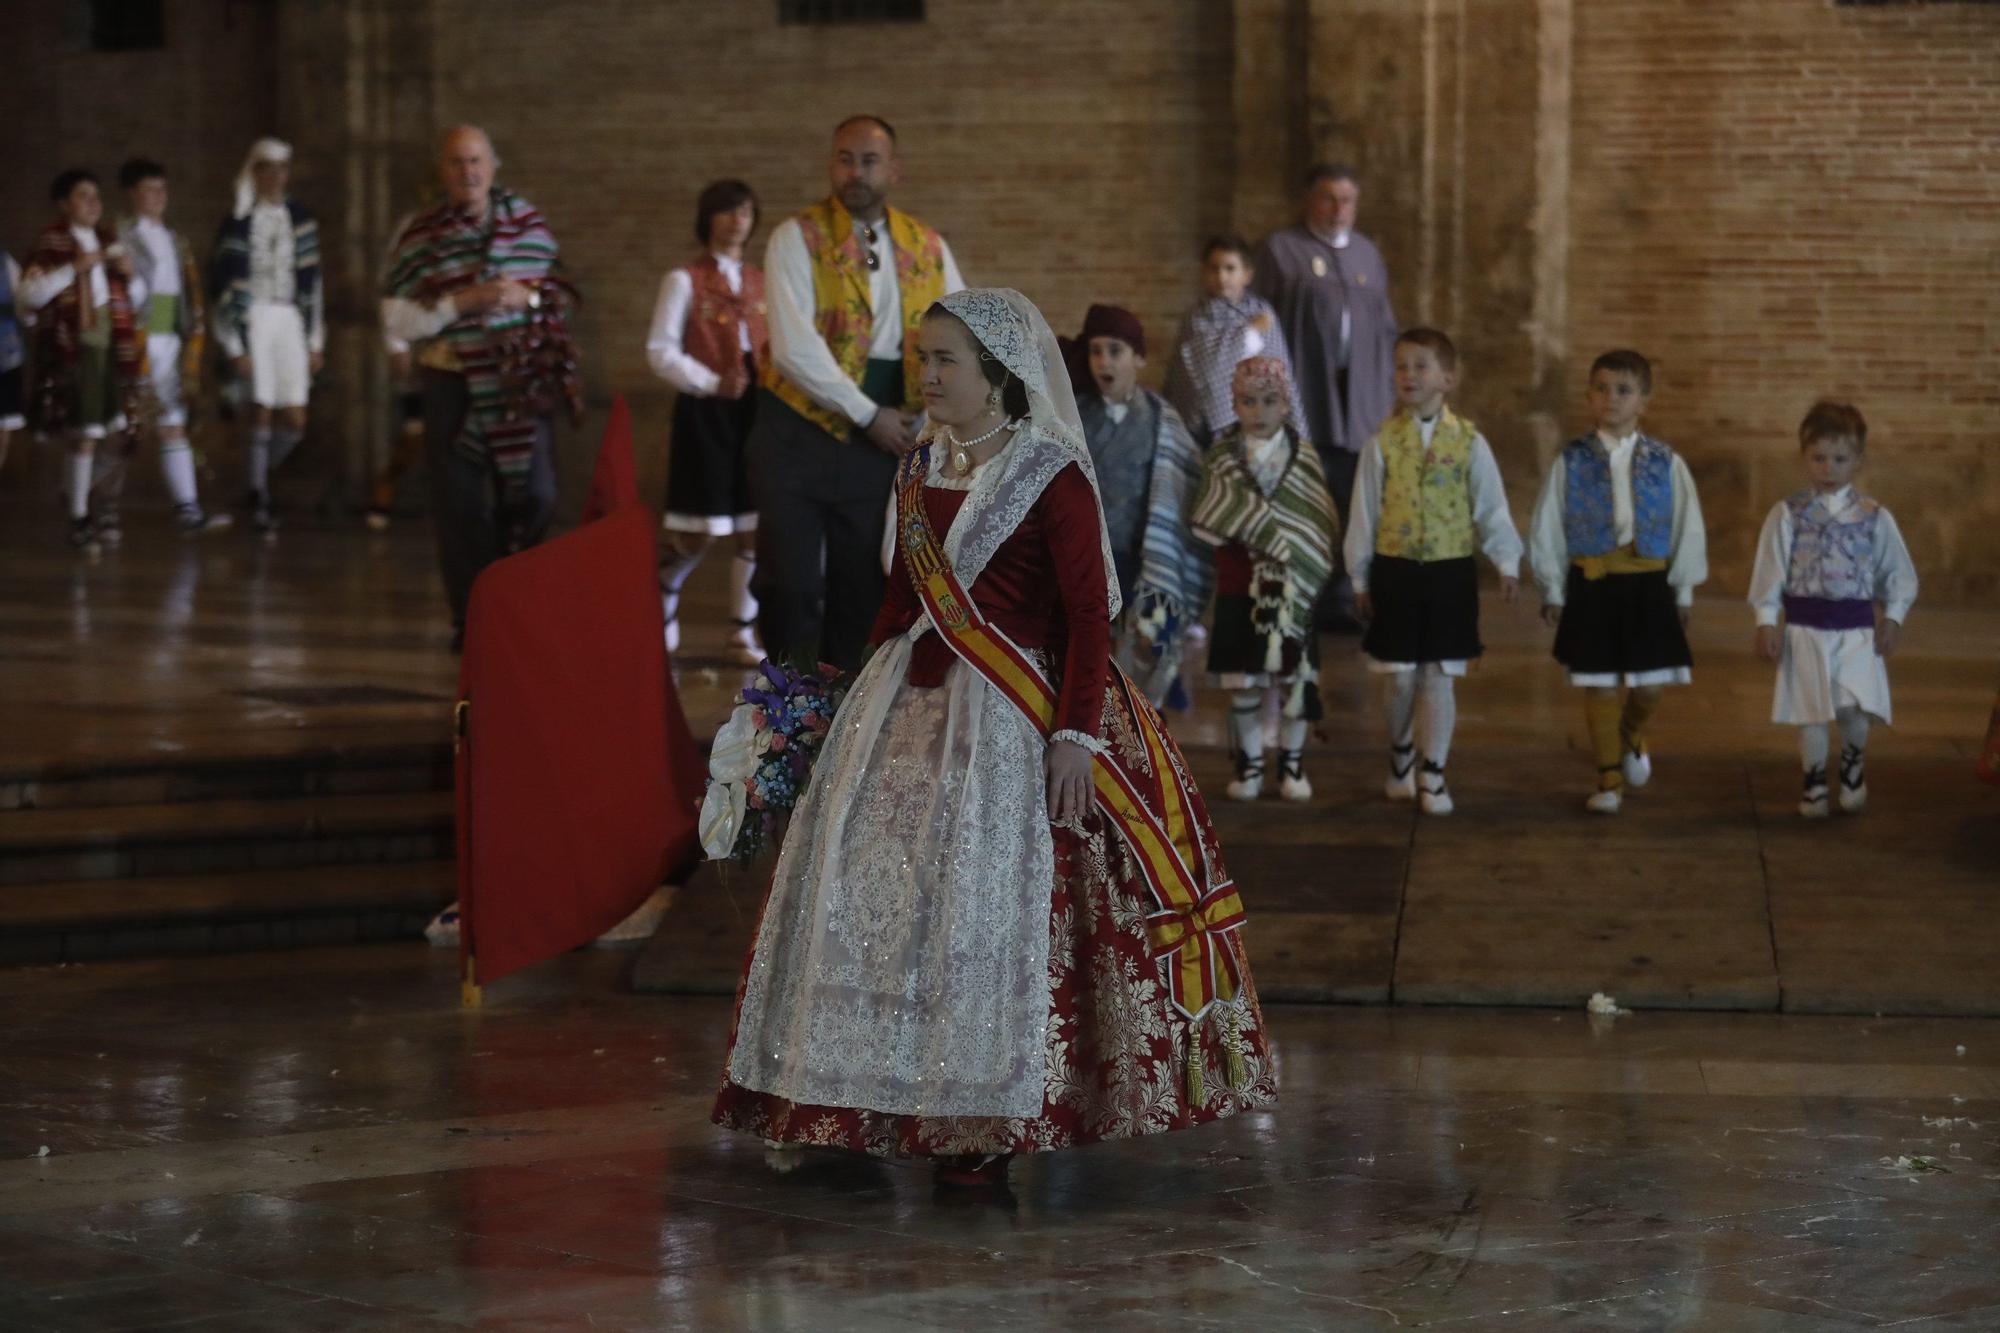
(13, 398)
(1235, 648)
(1621, 623)
(708, 468)
(1425, 610)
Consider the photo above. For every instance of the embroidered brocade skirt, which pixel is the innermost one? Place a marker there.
(1116, 1054)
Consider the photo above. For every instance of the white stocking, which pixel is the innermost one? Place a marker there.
(1813, 746)
(742, 602)
(1246, 724)
(1399, 696)
(1853, 729)
(1440, 713)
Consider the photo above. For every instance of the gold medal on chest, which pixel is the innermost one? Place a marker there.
(1319, 266)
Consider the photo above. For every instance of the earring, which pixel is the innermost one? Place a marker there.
(993, 397)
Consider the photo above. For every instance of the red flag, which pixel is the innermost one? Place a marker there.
(614, 484)
(578, 781)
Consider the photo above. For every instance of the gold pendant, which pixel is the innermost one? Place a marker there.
(1319, 266)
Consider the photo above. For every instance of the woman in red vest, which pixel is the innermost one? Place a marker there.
(708, 340)
(1000, 922)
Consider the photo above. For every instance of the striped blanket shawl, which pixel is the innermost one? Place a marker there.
(518, 364)
(1289, 531)
(59, 324)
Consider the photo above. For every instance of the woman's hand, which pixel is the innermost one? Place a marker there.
(1069, 782)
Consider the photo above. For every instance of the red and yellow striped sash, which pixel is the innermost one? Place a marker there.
(1155, 819)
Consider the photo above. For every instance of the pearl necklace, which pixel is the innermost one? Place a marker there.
(961, 450)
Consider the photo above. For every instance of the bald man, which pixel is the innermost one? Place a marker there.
(470, 282)
(846, 282)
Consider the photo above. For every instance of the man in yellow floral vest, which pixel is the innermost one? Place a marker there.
(846, 282)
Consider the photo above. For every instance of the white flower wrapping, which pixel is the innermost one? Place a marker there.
(739, 748)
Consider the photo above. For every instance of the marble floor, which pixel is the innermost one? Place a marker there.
(325, 1140)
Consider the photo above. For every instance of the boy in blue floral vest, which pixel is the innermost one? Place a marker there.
(1618, 546)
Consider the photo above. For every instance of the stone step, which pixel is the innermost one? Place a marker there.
(197, 837)
(388, 765)
(81, 920)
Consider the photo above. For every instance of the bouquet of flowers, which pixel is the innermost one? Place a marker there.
(763, 756)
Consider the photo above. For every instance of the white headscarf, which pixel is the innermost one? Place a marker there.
(1008, 325)
(264, 150)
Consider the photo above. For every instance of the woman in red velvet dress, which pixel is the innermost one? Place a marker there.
(961, 956)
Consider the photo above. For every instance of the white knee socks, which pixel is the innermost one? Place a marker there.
(1812, 746)
(1440, 708)
(1399, 694)
(742, 603)
(80, 465)
(177, 469)
(1853, 729)
(1246, 724)
(1815, 741)
(260, 459)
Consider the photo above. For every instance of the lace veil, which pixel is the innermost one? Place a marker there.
(1008, 325)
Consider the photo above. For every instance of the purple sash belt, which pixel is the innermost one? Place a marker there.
(1830, 612)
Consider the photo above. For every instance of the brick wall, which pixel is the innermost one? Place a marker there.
(1077, 152)
(195, 106)
(1778, 199)
(1774, 198)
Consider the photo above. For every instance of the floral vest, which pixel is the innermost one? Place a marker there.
(1832, 557)
(1426, 493)
(841, 310)
(716, 315)
(1588, 525)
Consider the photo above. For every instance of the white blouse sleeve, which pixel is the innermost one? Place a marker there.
(42, 286)
(1689, 564)
(665, 351)
(1364, 512)
(1774, 558)
(1548, 548)
(1497, 537)
(1895, 572)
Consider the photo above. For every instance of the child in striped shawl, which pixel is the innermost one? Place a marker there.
(1264, 504)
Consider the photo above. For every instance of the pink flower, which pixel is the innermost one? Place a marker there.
(777, 741)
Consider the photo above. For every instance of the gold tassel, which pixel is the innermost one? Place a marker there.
(1232, 1040)
(1197, 1095)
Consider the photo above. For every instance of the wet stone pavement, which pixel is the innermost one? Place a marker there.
(325, 1140)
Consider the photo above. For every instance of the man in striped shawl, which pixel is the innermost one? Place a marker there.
(475, 284)
(1263, 504)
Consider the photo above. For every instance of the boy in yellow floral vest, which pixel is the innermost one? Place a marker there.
(1427, 494)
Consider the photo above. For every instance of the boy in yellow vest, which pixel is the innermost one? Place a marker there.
(1427, 493)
